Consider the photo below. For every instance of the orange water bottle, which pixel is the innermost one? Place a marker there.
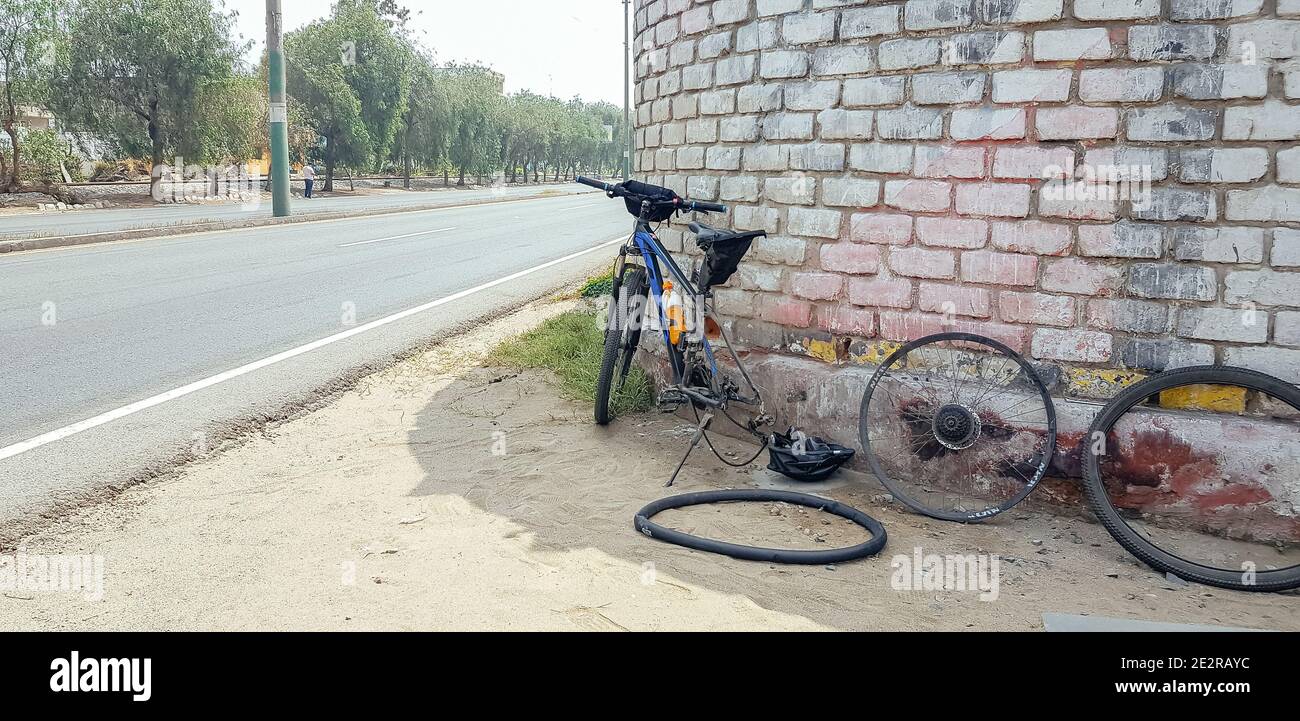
(675, 311)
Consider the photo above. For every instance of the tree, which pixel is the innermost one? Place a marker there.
(349, 72)
(426, 125)
(27, 34)
(475, 103)
(131, 70)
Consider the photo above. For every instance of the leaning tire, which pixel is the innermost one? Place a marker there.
(1268, 580)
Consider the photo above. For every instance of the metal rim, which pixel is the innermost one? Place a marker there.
(962, 403)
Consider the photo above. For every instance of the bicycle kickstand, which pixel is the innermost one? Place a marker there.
(699, 433)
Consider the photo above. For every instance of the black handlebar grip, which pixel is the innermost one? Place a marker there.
(593, 183)
(708, 207)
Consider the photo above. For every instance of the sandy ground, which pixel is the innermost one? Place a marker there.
(440, 494)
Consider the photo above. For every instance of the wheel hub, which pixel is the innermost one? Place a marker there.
(956, 426)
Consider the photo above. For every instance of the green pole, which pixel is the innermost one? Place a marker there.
(279, 111)
(627, 94)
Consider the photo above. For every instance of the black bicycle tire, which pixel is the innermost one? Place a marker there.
(642, 523)
(896, 490)
(611, 354)
(1274, 580)
(638, 286)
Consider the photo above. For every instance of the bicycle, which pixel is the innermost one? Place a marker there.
(681, 311)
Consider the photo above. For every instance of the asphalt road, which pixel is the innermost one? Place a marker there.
(80, 222)
(90, 330)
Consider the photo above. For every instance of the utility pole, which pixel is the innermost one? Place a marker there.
(627, 92)
(279, 111)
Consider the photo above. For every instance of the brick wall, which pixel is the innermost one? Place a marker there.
(1101, 184)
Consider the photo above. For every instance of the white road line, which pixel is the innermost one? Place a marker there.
(124, 411)
(362, 217)
(395, 237)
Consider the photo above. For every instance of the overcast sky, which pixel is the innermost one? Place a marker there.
(552, 47)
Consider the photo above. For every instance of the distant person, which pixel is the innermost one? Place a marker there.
(308, 179)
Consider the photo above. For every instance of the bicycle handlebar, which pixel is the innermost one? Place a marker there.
(684, 204)
(594, 183)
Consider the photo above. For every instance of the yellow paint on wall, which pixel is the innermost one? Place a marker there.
(1230, 399)
(1099, 382)
(823, 350)
(877, 352)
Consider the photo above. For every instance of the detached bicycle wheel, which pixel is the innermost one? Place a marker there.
(1194, 471)
(957, 426)
(627, 309)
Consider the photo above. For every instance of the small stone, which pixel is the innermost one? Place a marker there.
(1037, 542)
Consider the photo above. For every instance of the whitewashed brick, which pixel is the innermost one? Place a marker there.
(868, 92)
(903, 54)
(1116, 9)
(892, 158)
(935, 14)
(815, 95)
(1141, 85)
(1030, 86)
(987, 123)
(788, 126)
(1071, 45)
(847, 60)
(838, 124)
(948, 88)
(783, 64)
(814, 223)
(869, 22)
(850, 192)
(791, 191)
(807, 28)
(1274, 120)
(909, 122)
(738, 188)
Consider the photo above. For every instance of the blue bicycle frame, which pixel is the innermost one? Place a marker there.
(652, 254)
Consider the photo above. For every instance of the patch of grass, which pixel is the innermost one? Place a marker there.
(597, 286)
(571, 345)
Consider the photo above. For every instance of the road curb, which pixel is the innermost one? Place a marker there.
(64, 241)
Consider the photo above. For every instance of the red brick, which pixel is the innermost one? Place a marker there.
(847, 319)
(905, 326)
(952, 232)
(1036, 308)
(851, 257)
(910, 326)
(816, 286)
(986, 266)
(921, 263)
(1072, 275)
(881, 228)
(1015, 337)
(889, 292)
(785, 311)
(954, 299)
(1032, 236)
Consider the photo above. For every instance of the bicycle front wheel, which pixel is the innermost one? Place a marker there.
(622, 336)
(1193, 471)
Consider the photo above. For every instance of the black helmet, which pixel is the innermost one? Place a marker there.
(803, 457)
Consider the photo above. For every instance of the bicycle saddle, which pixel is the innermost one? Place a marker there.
(704, 235)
